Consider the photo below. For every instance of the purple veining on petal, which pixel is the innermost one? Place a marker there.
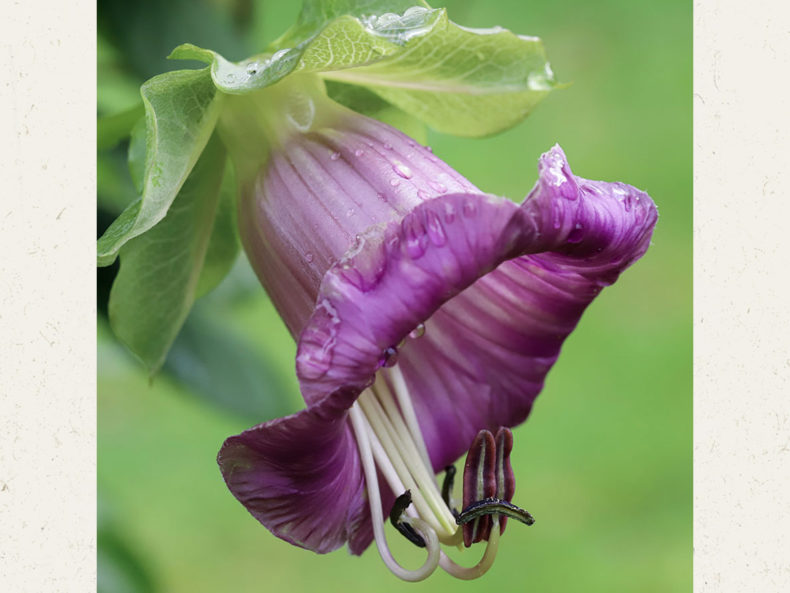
(300, 476)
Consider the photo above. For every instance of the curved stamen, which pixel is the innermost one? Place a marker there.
(479, 569)
(374, 499)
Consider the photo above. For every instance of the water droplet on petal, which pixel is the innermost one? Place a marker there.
(359, 152)
(470, 208)
(415, 238)
(437, 186)
(429, 149)
(402, 170)
(381, 196)
(435, 229)
(394, 182)
(252, 68)
(449, 213)
(350, 212)
(389, 358)
(388, 146)
(309, 257)
(418, 331)
(423, 195)
(334, 156)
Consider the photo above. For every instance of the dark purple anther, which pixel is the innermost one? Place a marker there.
(487, 475)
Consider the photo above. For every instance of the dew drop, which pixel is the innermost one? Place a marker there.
(394, 182)
(469, 208)
(429, 148)
(389, 358)
(435, 229)
(350, 212)
(423, 195)
(301, 111)
(388, 146)
(418, 331)
(437, 186)
(402, 170)
(359, 152)
(381, 196)
(279, 54)
(449, 213)
(334, 156)
(252, 68)
(309, 258)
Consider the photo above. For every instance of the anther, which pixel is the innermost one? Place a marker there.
(447, 488)
(398, 508)
(494, 506)
(489, 485)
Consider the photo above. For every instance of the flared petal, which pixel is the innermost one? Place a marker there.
(395, 278)
(300, 476)
(498, 286)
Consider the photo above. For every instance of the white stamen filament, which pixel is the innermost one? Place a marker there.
(479, 569)
(388, 436)
(374, 497)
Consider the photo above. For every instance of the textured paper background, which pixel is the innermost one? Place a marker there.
(47, 294)
(741, 297)
(47, 289)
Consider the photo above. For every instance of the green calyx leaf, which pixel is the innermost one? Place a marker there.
(181, 111)
(461, 81)
(163, 270)
(466, 82)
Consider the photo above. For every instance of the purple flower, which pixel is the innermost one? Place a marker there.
(425, 311)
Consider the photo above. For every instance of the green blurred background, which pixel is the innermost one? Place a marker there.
(604, 461)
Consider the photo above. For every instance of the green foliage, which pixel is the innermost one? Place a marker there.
(119, 566)
(161, 270)
(225, 368)
(181, 110)
(484, 81)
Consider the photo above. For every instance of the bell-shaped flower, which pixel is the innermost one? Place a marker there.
(425, 311)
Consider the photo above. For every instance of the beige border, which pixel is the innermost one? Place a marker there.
(742, 320)
(742, 297)
(47, 288)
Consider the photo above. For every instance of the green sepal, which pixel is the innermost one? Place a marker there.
(181, 111)
(461, 81)
(161, 270)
